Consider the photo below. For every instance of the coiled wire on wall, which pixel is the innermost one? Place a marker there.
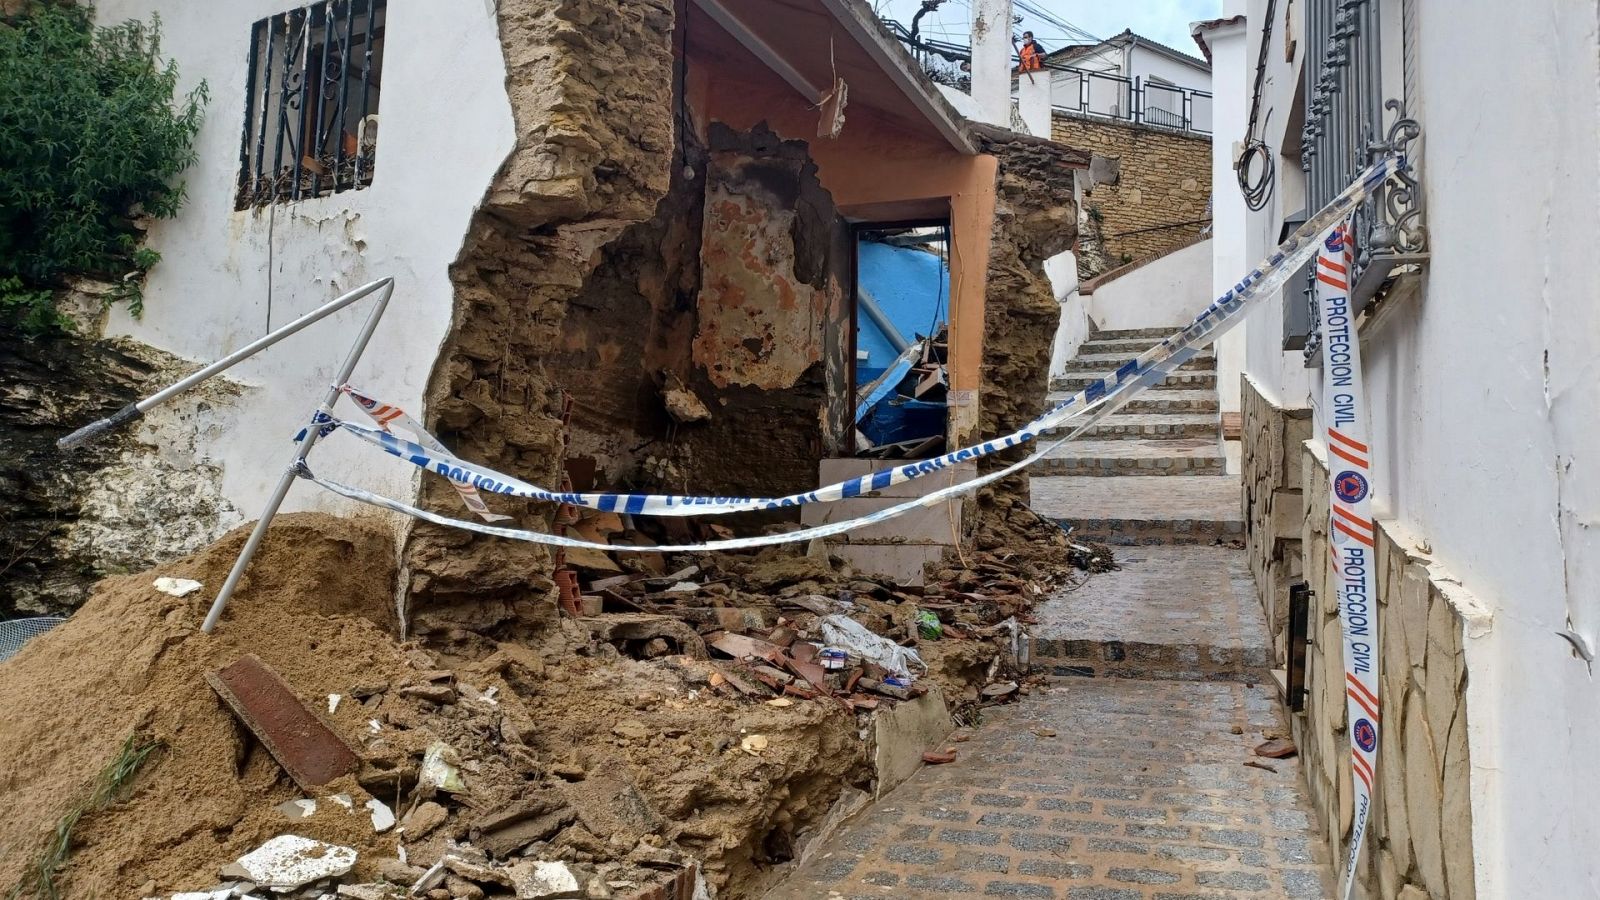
(1255, 195)
(1258, 193)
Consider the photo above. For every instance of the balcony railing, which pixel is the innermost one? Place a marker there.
(1106, 95)
(1077, 92)
(1348, 125)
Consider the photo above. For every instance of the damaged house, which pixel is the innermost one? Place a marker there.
(720, 247)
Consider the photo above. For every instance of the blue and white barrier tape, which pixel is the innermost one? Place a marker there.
(1097, 401)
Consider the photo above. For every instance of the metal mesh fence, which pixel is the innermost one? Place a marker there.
(16, 632)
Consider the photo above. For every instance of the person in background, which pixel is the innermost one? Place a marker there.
(1031, 54)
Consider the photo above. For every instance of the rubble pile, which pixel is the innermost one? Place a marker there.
(689, 726)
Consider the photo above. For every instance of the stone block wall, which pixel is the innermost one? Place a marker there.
(1163, 177)
(1420, 846)
(1273, 503)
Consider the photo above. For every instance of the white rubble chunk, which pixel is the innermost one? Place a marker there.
(289, 861)
(176, 587)
(534, 880)
(382, 815)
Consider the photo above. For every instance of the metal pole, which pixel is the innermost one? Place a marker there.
(304, 447)
(135, 410)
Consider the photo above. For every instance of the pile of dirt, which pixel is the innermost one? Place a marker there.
(635, 767)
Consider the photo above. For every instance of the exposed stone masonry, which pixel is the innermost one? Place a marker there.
(591, 86)
(1163, 178)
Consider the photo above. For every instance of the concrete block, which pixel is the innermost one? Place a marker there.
(833, 471)
(924, 525)
(901, 562)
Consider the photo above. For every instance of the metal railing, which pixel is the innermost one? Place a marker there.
(310, 126)
(1079, 92)
(1136, 100)
(1345, 131)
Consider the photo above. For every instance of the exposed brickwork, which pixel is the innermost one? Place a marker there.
(1140, 796)
(1164, 178)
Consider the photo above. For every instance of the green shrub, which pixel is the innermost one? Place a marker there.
(90, 140)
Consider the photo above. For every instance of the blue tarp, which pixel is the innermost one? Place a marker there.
(913, 289)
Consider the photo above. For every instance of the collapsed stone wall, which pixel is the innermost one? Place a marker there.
(1421, 844)
(1163, 178)
(1034, 219)
(705, 350)
(591, 85)
(120, 504)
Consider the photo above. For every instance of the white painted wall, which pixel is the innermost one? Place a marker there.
(1145, 64)
(1229, 260)
(1486, 402)
(1169, 291)
(1073, 328)
(446, 127)
(1033, 102)
(991, 60)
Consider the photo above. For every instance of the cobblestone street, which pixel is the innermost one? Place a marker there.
(1141, 794)
(1125, 778)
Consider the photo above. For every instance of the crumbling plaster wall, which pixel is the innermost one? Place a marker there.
(590, 84)
(733, 291)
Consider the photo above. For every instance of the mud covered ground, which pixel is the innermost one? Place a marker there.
(628, 764)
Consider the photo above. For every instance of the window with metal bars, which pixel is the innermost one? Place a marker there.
(311, 114)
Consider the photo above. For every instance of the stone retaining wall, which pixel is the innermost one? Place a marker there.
(1421, 844)
(1272, 503)
(1163, 178)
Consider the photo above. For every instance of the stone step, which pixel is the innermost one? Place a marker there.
(1170, 613)
(1155, 426)
(1179, 379)
(1128, 334)
(1101, 362)
(1165, 401)
(1144, 512)
(1134, 346)
(1134, 457)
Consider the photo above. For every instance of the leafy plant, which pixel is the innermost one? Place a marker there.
(90, 141)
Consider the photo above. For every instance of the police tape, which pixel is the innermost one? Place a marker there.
(1100, 399)
(1350, 527)
(384, 415)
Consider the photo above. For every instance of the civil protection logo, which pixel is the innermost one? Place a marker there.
(1366, 736)
(1351, 487)
(1335, 241)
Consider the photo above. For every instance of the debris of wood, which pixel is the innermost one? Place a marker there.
(1258, 764)
(296, 736)
(939, 757)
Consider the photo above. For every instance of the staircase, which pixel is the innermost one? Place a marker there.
(1149, 479)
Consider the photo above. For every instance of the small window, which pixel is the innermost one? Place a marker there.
(311, 113)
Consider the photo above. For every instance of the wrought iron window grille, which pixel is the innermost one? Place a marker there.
(1345, 131)
(311, 123)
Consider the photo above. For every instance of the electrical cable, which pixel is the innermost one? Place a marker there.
(1257, 193)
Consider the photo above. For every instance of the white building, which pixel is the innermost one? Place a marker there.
(1478, 333)
(1133, 77)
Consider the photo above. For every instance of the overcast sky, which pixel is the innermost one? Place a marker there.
(1166, 21)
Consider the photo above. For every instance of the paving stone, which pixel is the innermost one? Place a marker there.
(1048, 843)
(941, 883)
(910, 853)
(969, 861)
(1015, 889)
(1010, 820)
(1234, 881)
(1144, 876)
(1050, 869)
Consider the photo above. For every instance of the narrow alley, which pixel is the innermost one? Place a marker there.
(1132, 775)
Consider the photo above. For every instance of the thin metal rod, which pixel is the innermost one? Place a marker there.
(134, 410)
(293, 471)
(250, 349)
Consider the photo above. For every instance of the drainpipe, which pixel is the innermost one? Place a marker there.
(875, 312)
